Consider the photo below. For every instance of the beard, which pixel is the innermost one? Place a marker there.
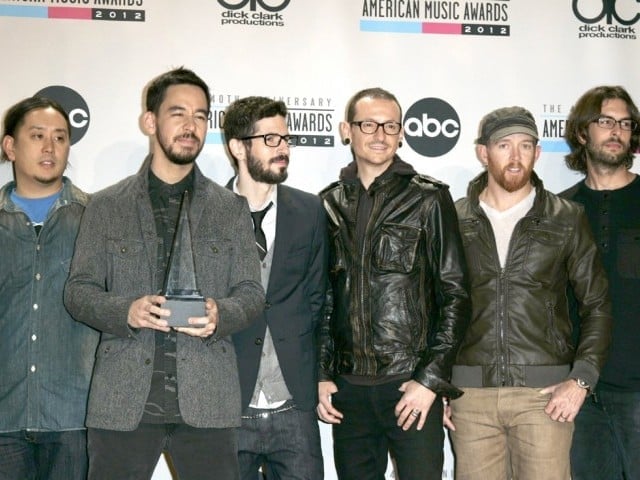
(510, 182)
(177, 157)
(600, 158)
(266, 175)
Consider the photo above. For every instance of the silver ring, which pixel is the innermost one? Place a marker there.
(415, 412)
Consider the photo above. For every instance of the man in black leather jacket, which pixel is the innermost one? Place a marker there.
(524, 381)
(400, 303)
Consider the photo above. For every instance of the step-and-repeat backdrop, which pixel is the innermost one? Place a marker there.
(448, 62)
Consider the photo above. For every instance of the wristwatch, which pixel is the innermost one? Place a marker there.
(583, 384)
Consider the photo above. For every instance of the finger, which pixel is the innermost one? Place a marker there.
(422, 419)
(326, 416)
(449, 424)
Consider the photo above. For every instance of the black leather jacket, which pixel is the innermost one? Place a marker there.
(400, 302)
(520, 332)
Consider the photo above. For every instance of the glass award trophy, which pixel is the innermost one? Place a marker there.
(183, 297)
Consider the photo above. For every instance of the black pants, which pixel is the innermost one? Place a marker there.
(196, 453)
(368, 433)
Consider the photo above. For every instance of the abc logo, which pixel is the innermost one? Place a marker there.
(74, 105)
(431, 127)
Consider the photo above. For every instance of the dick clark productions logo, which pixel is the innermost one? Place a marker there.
(253, 5)
(608, 10)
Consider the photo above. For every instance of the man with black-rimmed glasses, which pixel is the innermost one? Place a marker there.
(603, 134)
(277, 353)
(400, 302)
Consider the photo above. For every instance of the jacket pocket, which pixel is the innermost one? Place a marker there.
(629, 252)
(396, 249)
(554, 337)
(124, 263)
(544, 245)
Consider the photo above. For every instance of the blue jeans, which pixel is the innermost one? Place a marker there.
(286, 444)
(368, 433)
(195, 453)
(606, 442)
(28, 455)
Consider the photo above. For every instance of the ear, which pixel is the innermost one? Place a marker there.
(7, 147)
(345, 132)
(582, 138)
(481, 154)
(149, 123)
(238, 149)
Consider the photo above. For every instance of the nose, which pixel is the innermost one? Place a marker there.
(47, 144)
(380, 134)
(615, 131)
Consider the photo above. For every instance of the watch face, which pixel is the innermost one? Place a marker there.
(582, 383)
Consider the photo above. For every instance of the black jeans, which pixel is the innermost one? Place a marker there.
(369, 432)
(606, 440)
(28, 455)
(196, 453)
(285, 444)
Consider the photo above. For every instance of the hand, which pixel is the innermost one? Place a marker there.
(146, 312)
(326, 412)
(446, 415)
(414, 404)
(565, 402)
(210, 322)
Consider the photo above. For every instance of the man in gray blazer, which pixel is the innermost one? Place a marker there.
(159, 388)
(277, 353)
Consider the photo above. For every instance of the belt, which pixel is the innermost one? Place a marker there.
(268, 412)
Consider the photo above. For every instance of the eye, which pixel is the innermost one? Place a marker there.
(200, 117)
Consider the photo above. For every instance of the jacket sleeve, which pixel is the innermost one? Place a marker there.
(452, 310)
(86, 294)
(317, 271)
(246, 297)
(590, 286)
(325, 337)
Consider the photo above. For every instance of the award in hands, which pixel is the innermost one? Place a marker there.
(183, 297)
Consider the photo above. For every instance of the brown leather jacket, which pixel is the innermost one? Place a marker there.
(520, 332)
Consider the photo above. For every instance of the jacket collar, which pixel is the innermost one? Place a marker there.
(70, 194)
(398, 167)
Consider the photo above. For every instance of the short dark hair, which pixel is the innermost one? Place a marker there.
(375, 92)
(586, 109)
(157, 88)
(14, 116)
(241, 116)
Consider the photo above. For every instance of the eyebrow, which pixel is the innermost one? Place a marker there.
(174, 108)
(41, 127)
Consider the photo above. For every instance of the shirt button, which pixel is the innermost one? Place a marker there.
(33, 368)
(34, 337)
(35, 306)
(38, 276)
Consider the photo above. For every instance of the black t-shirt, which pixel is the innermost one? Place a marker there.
(614, 216)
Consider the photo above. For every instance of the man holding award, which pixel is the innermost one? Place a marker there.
(166, 268)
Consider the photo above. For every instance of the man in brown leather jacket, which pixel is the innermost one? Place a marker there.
(400, 303)
(524, 381)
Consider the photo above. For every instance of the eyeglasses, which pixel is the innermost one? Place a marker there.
(274, 139)
(369, 127)
(609, 123)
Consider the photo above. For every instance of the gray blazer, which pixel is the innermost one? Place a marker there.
(115, 263)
